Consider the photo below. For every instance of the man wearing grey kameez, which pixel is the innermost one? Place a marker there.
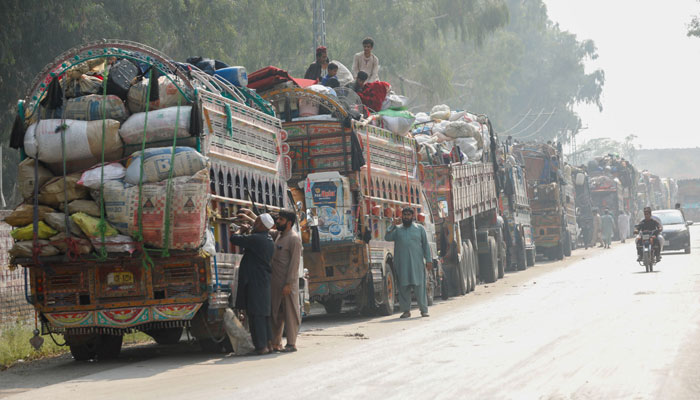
(411, 258)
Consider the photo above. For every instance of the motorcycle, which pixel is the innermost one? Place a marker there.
(648, 256)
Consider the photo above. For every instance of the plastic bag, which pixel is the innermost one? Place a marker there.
(168, 95)
(52, 192)
(398, 122)
(91, 177)
(88, 207)
(209, 243)
(240, 338)
(156, 166)
(25, 177)
(83, 246)
(57, 221)
(83, 140)
(115, 244)
(24, 214)
(88, 225)
(24, 249)
(27, 232)
(161, 125)
(440, 112)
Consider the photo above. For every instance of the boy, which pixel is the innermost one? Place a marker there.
(366, 61)
(330, 80)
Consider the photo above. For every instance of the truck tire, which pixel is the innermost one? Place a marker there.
(109, 346)
(501, 259)
(333, 306)
(461, 276)
(521, 262)
(387, 306)
(474, 260)
(530, 257)
(83, 352)
(166, 336)
(488, 262)
(467, 265)
(558, 252)
(567, 246)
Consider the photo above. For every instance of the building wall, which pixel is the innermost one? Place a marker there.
(13, 304)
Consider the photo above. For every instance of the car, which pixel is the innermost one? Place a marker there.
(676, 233)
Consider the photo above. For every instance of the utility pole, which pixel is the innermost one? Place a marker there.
(319, 24)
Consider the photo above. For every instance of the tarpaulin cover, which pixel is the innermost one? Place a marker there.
(267, 77)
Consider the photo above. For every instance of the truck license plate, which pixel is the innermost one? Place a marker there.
(120, 278)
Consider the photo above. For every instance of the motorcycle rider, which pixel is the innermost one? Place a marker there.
(649, 224)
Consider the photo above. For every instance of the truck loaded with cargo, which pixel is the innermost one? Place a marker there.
(552, 198)
(355, 170)
(129, 196)
(613, 182)
(689, 198)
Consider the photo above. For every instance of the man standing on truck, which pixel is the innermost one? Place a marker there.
(253, 294)
(411, 258)
(366, 61)
(285, 282)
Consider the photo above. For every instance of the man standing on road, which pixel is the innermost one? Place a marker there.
(285, 282)
(253, 293)
(411, 258)
(596, 229)
(607, 228)
(623, 224)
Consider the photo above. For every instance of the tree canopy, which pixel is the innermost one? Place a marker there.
(503, 58)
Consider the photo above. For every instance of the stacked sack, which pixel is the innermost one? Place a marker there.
(443, 131)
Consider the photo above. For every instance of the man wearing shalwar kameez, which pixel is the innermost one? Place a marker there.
(411, 258)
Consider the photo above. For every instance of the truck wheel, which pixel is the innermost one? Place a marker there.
(474, 259)
(468, 260)
(109, 346)
(444, 286)
(530, 257)
(501, 259)
(687, 249)
(522, 256)
(387, 306)
(567, 246)
(488, 262)
(83, 352)
(461, 275)
(333, 306)
(166, 335)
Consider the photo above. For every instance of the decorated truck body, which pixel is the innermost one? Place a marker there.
(552, 199)
(354, 179)
(93, 299)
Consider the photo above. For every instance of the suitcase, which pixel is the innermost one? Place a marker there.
(121, 77)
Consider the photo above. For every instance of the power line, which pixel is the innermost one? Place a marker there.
(518, 123)
(541, 127)
(529, 126)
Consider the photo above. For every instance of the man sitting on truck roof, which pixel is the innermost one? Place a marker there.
(358, 85)
(318, 69)
(367, 62)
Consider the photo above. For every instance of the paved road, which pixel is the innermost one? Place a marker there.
(592, 327)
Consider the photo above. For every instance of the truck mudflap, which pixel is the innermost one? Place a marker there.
(128, 318)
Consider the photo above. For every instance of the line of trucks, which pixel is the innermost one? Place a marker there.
(346, 176)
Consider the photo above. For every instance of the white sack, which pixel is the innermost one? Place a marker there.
(161, 125)
(91, 177)
(156, 166)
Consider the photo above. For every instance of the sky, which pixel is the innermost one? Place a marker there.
(652, 69)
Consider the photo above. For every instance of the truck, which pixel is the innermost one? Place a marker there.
(552, 198)
(614, 183)
(515, 211)
(93, 301)
(584, 206)
(689, 197)
(354, 178)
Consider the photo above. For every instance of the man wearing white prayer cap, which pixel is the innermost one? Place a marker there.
(253, 294)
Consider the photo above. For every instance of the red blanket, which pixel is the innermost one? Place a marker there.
(268, 77)
(374, 93)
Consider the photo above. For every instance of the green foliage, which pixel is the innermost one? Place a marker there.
(498, 57)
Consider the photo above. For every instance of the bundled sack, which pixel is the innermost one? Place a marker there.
(82, 86)
(57, 221)
(88, 207)
(25, 177)
(83, 143)
(27, 232)
(89, 108)
(188, 210)
(115, 244)
(440, 112)
(161, 125)
(156, 164)
(168, 95)
(24, 249)
(52, 193)
(89, 225)
(24, 214)
(470, 148)
(83, 246)
(397, 121)
(464, 129)
(237, 334)
(94, 177)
